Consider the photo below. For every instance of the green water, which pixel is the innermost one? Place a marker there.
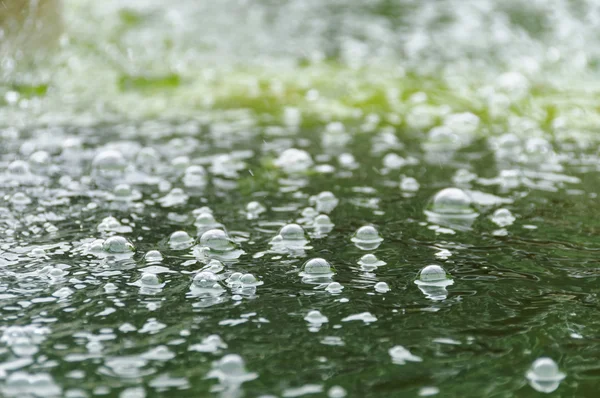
(147, 115)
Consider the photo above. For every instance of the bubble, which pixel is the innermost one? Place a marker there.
(22, 384)
(124, 193)
(322, 224)
(180, 240)
(507, 146)
(291, 236)
(111, 224)
(214, 266)
(325, 202)
(367, 238)
(231, 369)
(442, 137)
(294, 161)
(433, 275)
(212, 344)
(117, 244)
(382, 287)
(204, 209)
(401, 355)
(149, 280)
(409, 184)
(20, 199)
(254, 209)
(336, 392)
(174, 198)
(24, 341)
(194, 177)
(153, 256)
(205, 280)
(216, 240)
(19, 168)
(109, 164)
(503, 218)
(205, 222)
(147, 159)
(393, 162)
(249, 280)
(452, 207)
(464, 124)
(371, 260)
(317, 266)
(315, 319)
(334, 288)
(37, 253)
(544, 375)
(365, 317)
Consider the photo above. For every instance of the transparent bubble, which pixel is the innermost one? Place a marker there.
(254, 209)
(382, 287)
(205, 222)
(124, 193)
(325, 202)
(212, 344)
(544, 375)
(249, 280)
(336, 392)
(503, 218)
(109, 163)
(150, 280)
(22, 384)
(367, 238)
(334, 288)
(147, 159)
(317, 267)
(507, 146)
(322, 224)
(409, 184)
(294, 161)
(205, 280)
(20, 199)
(231, 369)
(370, 260)
(452, 207)
(401, 355)
(19, 168)
(204, 209)
(153, 256)
(111, 224)
(194, 177)
(315, 318)
(176, 197)
(464, 124)
(214, 266)
(433, 275)
(117, 244)
(217, 240)
(180, 240)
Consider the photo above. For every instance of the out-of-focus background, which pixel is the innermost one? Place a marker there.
(84, 59)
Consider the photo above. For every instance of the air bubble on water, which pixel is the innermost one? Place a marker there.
(317, 268)
(206, 280)
(153, 256)
(451, 207)
(382, 287)
(24, 341)
(365, 317)
(108, 165)
(210, 344)
(177, 197)
(180, 164)
(315, 319)
(200, 210)
(367, 238)
(464, 124)
(180, 240)
(147, 159)
(214, 266)
(37, 252)
(22, 384)
(506, 147)
(250, 280)
(370, 260)
(324, 202)
(538, 152)
(409, 184)
(63, 293)
(231, 370)
(336, 392)
(117, 245)
(194, 177)
(347, 161)
(334, 288)
(111, 224)
(294, 161)
(433, 275)
(19, 199)
(503, 218)
(290, 236)
(158, 353)
(544, 375)
(463, 177)
(254, 210)
(216, 240)
(124, 193)
(206, 221)
(19, 168)
(442, 139)
(401, 355)
(322, 224)
(393, 161)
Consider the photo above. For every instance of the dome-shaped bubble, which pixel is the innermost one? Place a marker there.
(334, 287)
(503, 218)
(315, 317)
(117, 244)
(176, 197)
(322, 220)
(203, 209)
(195, 176)
(317, 266)
(292, 232)
(234, 279)
(294, 161)
(20, 199)
(124, 192)
(382, 287)
(409, 184)
(249, 280)
(109, 160)
(180, 240)
(150, 280)
(545, 369)
(153, 256)
(216, 239)
(231, 368)
(254, 209)
(214, 266)
(367, 238)
(370, 259)
(147, 158)
(206, 221)
(433, 275)
(205, 280)
(452, 201)
(442, 137)
(18, 168)
(325, 202)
